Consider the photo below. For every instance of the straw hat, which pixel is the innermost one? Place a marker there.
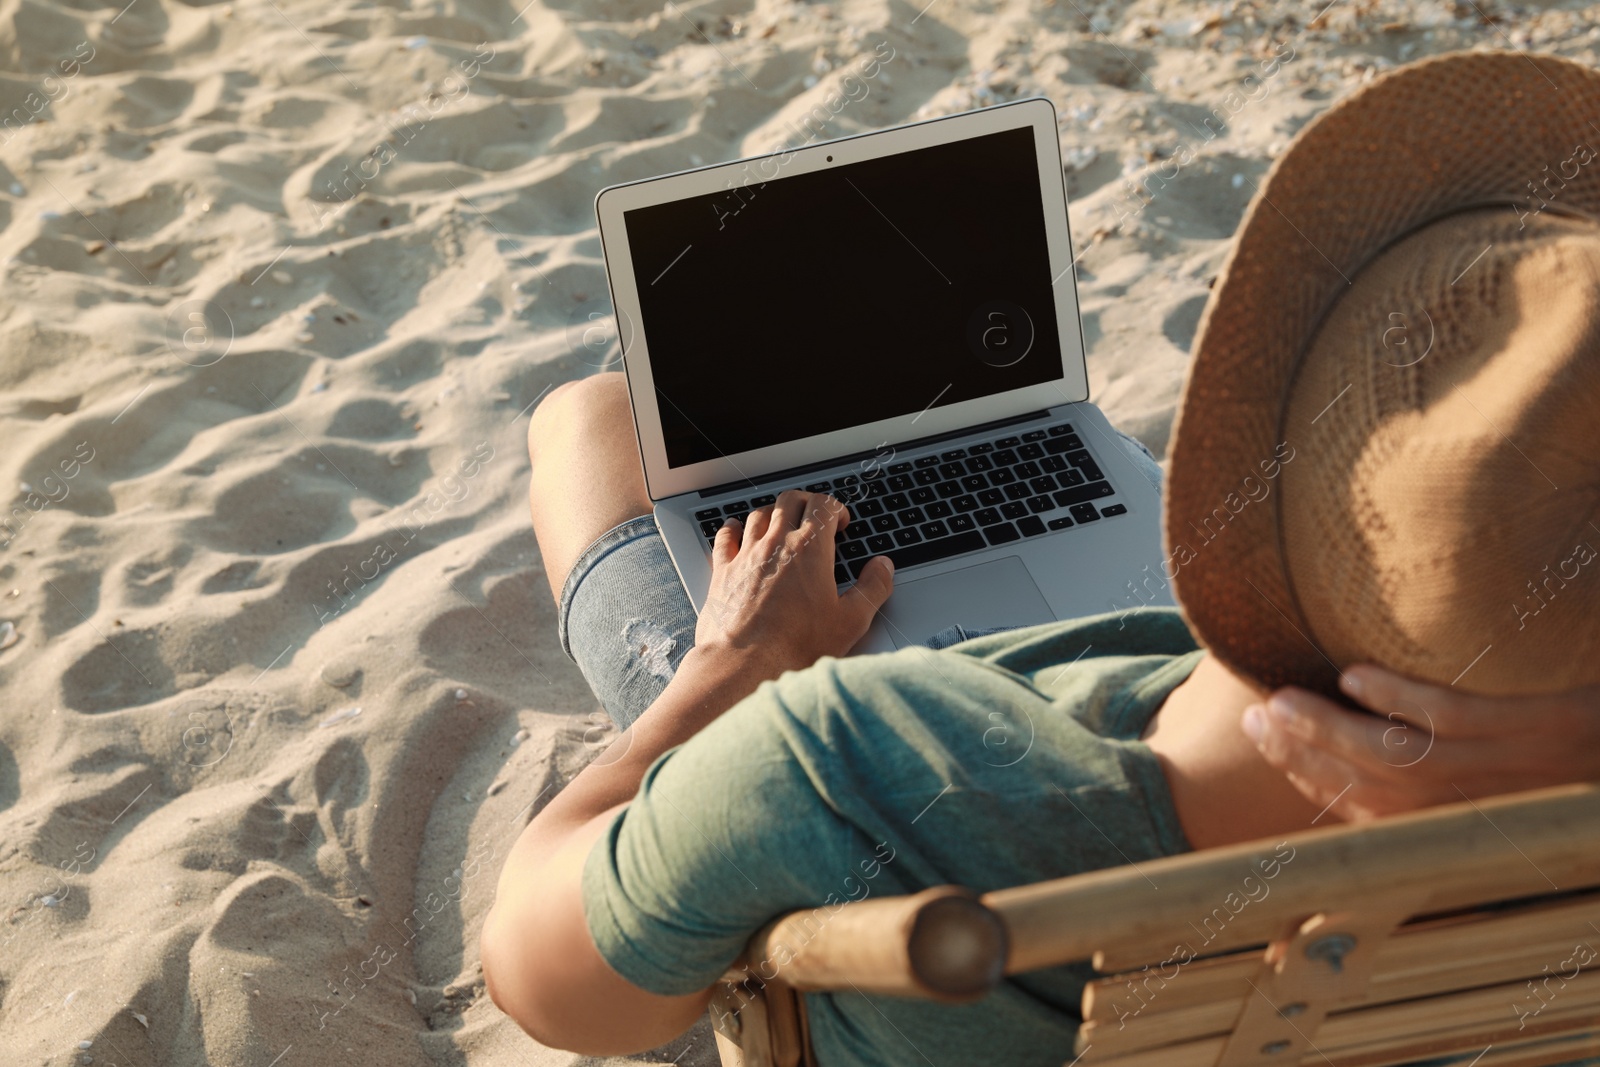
(1388, 449)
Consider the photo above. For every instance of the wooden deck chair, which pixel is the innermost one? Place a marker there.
(1465, 934)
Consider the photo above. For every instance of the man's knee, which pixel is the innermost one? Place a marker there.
(573, 408)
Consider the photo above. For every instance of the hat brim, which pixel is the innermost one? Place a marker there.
(1418, 143)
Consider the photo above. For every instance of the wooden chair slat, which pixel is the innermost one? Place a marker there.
(1532, 1051)
(1394, 1033)
(1461, 854)
(1486, 948)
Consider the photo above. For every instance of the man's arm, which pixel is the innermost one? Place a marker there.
(541, 965)
(772, 607)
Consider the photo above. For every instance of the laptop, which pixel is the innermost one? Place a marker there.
(891, 318)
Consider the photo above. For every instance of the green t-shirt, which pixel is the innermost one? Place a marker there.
(1003, 760)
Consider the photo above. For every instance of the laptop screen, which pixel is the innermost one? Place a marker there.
(815, 302)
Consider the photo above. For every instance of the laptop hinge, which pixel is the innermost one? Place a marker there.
(792, 472)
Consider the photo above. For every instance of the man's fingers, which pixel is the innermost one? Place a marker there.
(726, 544)
(870, 591)
(789, 511)
(825, 516)
(1447, 711)
(1302, 718)
(1291, 751)
(756, 523)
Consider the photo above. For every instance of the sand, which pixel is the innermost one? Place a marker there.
(282, 281)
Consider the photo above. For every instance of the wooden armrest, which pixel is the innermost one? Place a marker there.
(939, 944)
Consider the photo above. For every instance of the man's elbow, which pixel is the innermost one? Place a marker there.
(511, 981)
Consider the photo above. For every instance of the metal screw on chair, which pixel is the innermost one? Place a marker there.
(1289, 1011)
(1331, 950)
(1272, 1048)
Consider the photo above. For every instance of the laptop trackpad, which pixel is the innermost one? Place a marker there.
(997, 593)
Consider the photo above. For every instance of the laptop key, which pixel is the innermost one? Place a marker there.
(1114, 509)
(926, 461)
(1002, 534)
(884, 523)
(991, 497)
(853, 549)
(980, 448)
(907, 536)
(736, 509)
(841, 574)
(1060, 523)
(954, 453)
(965, 503)
(1053, 464)
(1069, 478)
(975, 482)
(900, 468)
(925, 476)
(1026, 469)
(878, 543)
(935, 530)
(709, 527)
(926, 551)
(922, 495)
(1090, 471)
(877, 488)
(1013, 509)
(987, 516)
(1008, 442)
(900, 482)
(1034, 435)
(1085, 512)
(1005, 457)
(961, 523)
(941, 509)
(1037, 504)
(708, 513)
(819, 487)
(896, 501)
(1057, 445)
(1042, 484)
(1061, 430)
(911, 517)
(867, 509)
(1093, 491)
(1018, 491)
(1032, 526)
(763, 501)
(1001, 476)
(1030, 451)
(951, 470)
(979, 464)
(948, 489)
(858, 529)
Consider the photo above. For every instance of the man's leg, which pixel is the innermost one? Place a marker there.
(586, 473)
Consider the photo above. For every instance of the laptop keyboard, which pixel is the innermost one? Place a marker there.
(952, 502)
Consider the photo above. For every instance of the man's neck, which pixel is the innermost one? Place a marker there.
(1224, 791)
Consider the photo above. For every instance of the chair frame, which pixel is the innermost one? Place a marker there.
(1470, 930)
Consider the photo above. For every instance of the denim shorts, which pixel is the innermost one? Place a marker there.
(626, 621)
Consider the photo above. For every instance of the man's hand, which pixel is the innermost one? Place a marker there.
(773, 599)
(1424, 744)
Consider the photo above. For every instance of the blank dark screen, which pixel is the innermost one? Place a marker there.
(809, 303)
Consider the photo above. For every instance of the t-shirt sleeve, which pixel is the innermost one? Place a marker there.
(725, 833)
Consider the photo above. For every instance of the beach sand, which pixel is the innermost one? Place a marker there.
(282, 280)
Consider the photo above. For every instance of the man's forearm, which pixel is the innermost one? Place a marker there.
(706, 684)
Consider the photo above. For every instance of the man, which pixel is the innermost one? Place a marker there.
(767, 774)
